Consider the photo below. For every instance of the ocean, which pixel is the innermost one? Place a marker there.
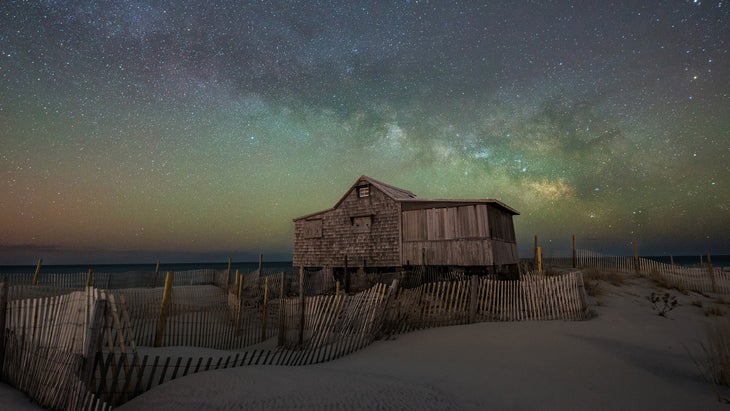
(272, 266)
(242, 267)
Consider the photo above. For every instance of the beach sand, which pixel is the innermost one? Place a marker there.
(627, 357)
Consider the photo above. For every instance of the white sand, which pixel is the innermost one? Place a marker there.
(626, 358)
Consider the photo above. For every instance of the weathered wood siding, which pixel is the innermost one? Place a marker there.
(361, 228)
(465, 235)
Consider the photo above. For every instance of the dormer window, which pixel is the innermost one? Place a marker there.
(363, 191)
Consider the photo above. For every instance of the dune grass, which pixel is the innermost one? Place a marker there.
(714, 361)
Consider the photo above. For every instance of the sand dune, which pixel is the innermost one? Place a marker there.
(627, 357)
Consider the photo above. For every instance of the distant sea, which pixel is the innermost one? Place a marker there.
(242, 267)
(272, 267)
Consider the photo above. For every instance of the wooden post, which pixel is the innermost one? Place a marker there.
(282, 313)
(239, 301)
(154, 275)
(473, 291)
(90, 278)
(636, 257)
(711, 271)
(228, 275)
(265, 312)
(261, 263)
(300, 340)
(337, 287)
(671, 260)
(95, 333)
(538, 253)
(534, 258)
(3, 310)
(347, 277)
(165, 309)
(34, 281)
(575, 254)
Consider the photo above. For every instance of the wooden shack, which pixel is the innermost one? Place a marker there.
(377, 226)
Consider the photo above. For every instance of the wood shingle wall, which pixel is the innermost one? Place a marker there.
(326, 238)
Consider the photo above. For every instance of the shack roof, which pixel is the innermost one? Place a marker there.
(409, 200)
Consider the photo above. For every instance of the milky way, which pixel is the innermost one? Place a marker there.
(135, 129)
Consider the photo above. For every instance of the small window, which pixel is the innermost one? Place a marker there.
(363, 191)
(361, 224)
(312, 229)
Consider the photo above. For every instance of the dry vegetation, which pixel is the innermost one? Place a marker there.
(594, 279)
(715, 357)
(714, 310)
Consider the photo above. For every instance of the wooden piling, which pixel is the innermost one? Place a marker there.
(473, 289)
(165, 309)
(534, 255)
(538, 254)
(261, 263)
(34, 281)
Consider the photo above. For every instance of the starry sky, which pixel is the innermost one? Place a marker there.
(131, 130)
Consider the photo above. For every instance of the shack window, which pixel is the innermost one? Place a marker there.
(361, 224)
(363, 191)
(312, 228)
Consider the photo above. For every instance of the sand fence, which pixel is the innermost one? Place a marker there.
(79, 349)
(705, 279)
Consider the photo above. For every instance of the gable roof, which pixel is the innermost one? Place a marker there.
(406, 197)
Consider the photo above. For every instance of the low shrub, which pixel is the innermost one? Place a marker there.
(663, 303)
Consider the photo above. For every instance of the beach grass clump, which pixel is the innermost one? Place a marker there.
(593, 279)
(714, 310)
(715, 361)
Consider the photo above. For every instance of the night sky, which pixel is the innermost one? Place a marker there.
(131, 130)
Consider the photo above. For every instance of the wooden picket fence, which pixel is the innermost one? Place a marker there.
(707, 279)
(90, 337)
(535, 297)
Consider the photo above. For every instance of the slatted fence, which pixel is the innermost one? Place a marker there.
(705, 279)
(93, 334)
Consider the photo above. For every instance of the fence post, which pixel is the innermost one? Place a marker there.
(3, 310)
(154, 275)
(34, 281)
(165, 309)
(95, 330)
(534, 255)
(538, 253)
(239, 297)
(300, 340)
(228, 275)
(282, 312)
(261, 263)
(90, 278)
(575, 254)
(347, 276)
(473, 290)
(265, 313)
(636, 257)
(711, 271)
